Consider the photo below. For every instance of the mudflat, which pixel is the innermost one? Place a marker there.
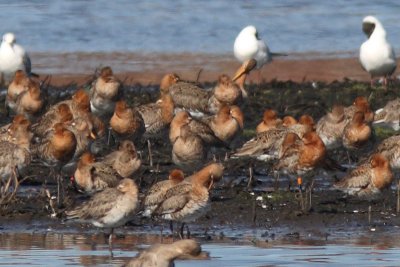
(149, 68)
(265, 203)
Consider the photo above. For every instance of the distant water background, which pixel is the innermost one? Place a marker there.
(307, 26)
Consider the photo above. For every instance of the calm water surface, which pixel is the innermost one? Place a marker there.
(193, 26)
(77, 250)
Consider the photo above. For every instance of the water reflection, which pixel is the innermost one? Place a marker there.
(25, 249)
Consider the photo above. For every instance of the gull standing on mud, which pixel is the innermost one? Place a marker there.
(12, 57)
(248, 45)
(110, 208)
(376, 54)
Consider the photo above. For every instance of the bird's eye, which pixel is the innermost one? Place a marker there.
(258, 37)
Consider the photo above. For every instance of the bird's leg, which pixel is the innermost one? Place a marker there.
(16, 182)
(110, 241)
(55, 175)
(348, 157)
(369, 213)
(310, 194)
(181, 231)
(259, 77)
(386, 81)
(211, 184)
(398, 197)
(187, 232)
(4, 189)
(60, 188)
(8, 196)
(109, 136)
(251, 177)
(276, 176)
(161, 233)
(150, 154)
(171, 227)
(198, 74)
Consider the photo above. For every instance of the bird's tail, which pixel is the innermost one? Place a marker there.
(248, 149)
(71, 214)
(278, 54)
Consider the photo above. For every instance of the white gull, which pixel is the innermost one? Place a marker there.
(248, 45)
(376, 54)
(12, 58)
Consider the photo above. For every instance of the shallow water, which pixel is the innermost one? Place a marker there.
(188, 26)
(26, 249)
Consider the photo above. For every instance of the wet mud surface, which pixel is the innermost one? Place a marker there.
(149, 68)
(262, 210)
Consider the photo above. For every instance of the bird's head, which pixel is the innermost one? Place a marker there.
(9, 38)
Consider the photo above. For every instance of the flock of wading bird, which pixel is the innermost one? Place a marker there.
(76, 133)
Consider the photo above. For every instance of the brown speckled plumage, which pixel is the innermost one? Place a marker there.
(104, 93)
(163, 255)
(93, 176)
(187, 201)
(155, 195)
(369, 179)
(109, 208)
(125, 160)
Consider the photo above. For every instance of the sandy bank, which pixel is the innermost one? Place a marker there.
(149, 68)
